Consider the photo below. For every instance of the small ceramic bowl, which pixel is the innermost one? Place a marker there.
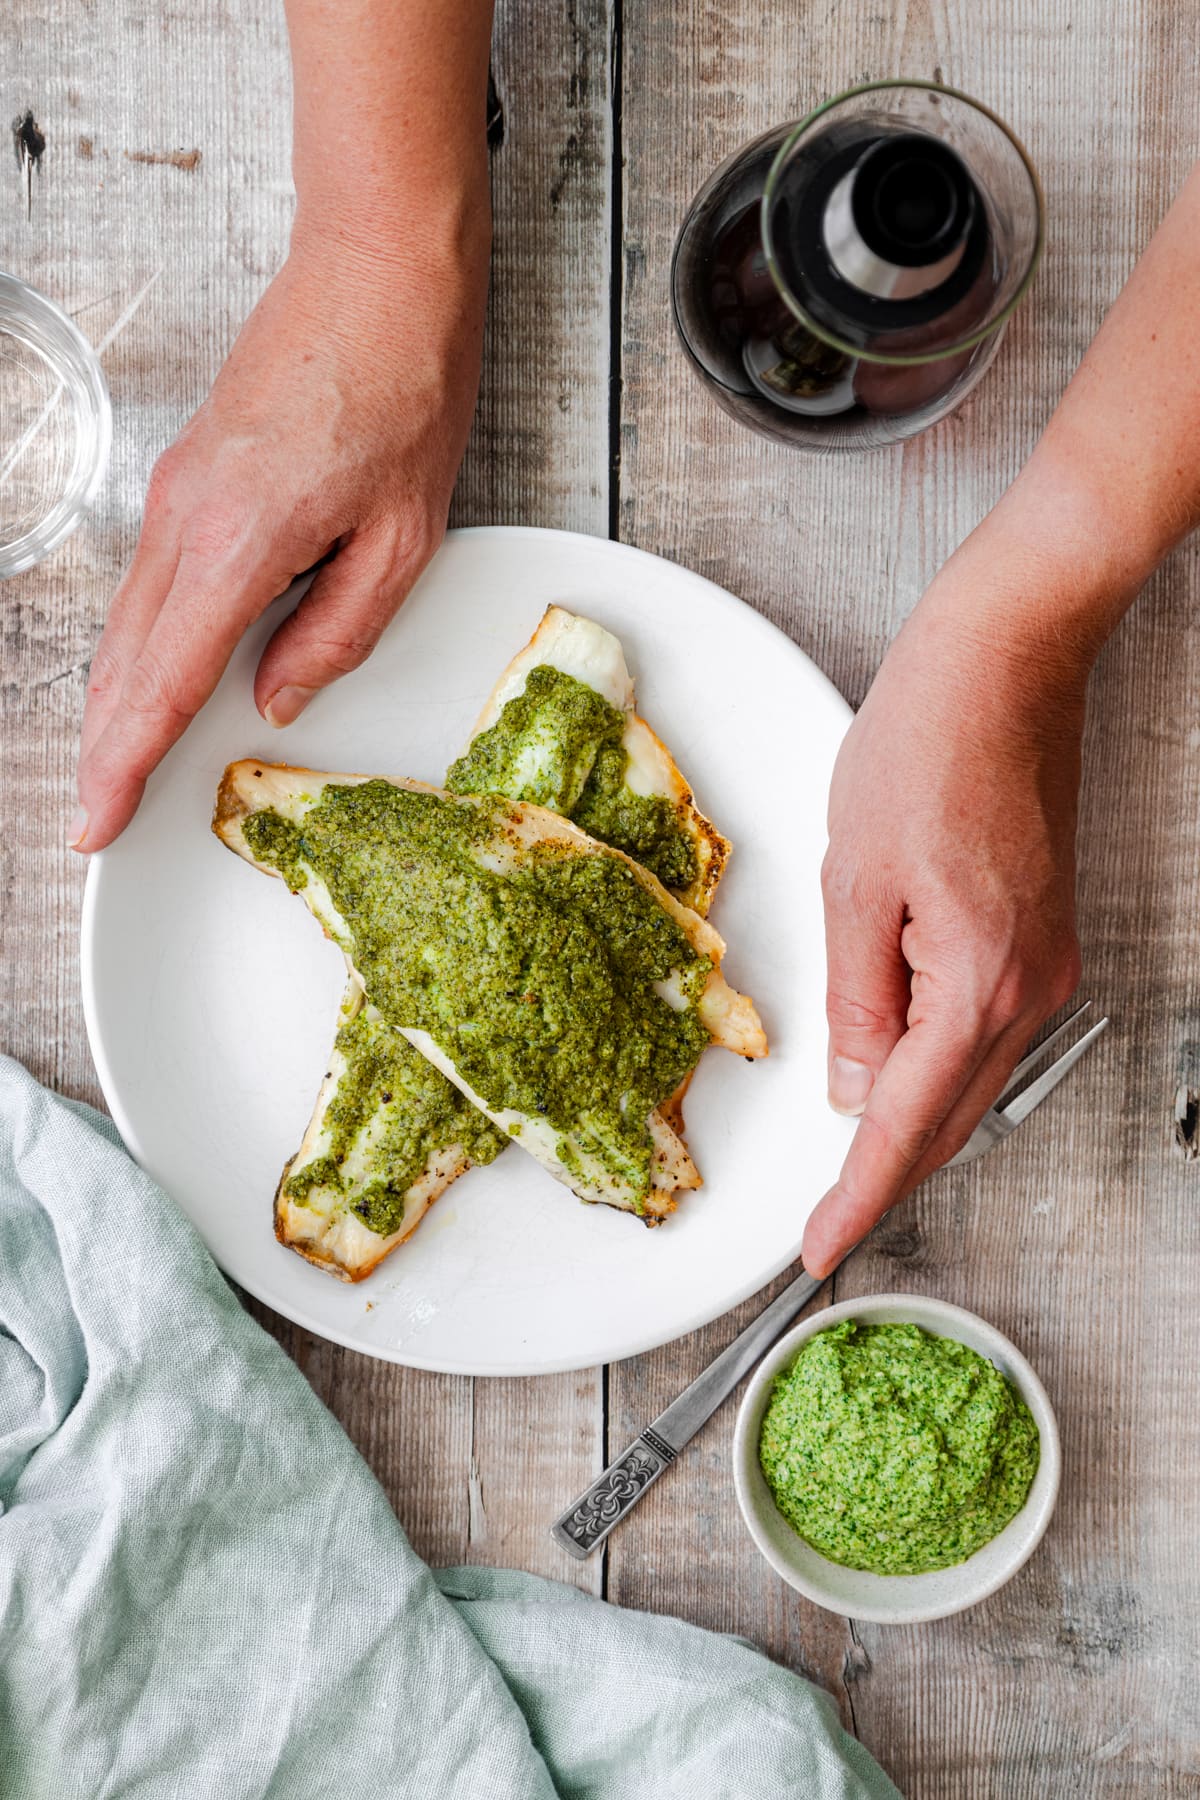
(896, 1599)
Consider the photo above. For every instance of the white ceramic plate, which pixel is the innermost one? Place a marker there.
(211, 995)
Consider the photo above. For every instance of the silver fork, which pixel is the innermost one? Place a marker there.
(1000, 1120)
(589, 1519)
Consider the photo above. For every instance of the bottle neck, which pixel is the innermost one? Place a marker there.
(863, 267)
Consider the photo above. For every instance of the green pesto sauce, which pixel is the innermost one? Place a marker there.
(412, 1112)
(558, 743)
(892, 1450)
(538, 983)
(275, 840)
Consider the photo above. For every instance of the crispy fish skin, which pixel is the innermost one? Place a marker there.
(517, 829)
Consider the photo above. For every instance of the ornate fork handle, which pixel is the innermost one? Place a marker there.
(589, 1519)
(610, 1497)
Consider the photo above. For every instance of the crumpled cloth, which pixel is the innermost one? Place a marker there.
(204, 1594)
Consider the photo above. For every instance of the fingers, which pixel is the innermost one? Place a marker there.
(154, 687)
(968, 1028)
(916, 1092)
(341, 619)
(867, 989)
(1042, 997)
(983, 1090)
(133, 609)
(176, 619)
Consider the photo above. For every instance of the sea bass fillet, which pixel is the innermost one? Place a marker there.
(559, 729)
(555, 982)
(387, 1136)
(357, 1186)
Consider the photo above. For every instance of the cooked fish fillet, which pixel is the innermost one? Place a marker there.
(586, 653)
(315, 1193)
(387, 1136)
(510, 839)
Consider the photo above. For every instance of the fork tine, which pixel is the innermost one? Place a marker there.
(1035, 1055)
(1019, 1109)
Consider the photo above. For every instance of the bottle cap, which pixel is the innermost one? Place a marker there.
(897, 224)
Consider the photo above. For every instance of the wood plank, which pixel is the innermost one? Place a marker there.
(539, 451)
(125, 96)
(539, 455)
(1075, 1238)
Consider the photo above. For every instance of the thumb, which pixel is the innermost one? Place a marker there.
(867, 987)
(337, 624)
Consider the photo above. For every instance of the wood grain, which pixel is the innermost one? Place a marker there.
(539, 451)
(168, 157)
(1080, 1237)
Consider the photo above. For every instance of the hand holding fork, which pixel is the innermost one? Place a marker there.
(589, 1519)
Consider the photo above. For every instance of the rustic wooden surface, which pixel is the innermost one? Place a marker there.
(1081, 1238)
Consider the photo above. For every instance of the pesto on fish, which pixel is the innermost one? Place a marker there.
(559, 730)
(558, 743)
(541, 982)
(391, 1111)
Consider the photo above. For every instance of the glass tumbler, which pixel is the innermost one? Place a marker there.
(55, 426)
(844, 283)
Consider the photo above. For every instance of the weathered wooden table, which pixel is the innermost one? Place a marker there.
(168, 155)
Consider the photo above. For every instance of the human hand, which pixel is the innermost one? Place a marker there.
(949, 884)
(949, 888)
(339, 420)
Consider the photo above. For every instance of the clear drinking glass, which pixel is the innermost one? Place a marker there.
(55, 426)
(845, 282)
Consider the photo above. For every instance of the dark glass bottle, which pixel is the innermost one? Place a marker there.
(844, 283)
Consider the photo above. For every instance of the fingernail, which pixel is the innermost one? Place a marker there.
(850, 1084)
(287, 705)
(77, 829)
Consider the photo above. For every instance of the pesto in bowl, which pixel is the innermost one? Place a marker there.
(895, 1451)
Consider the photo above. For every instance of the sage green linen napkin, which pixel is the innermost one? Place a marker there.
(204, 1592)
